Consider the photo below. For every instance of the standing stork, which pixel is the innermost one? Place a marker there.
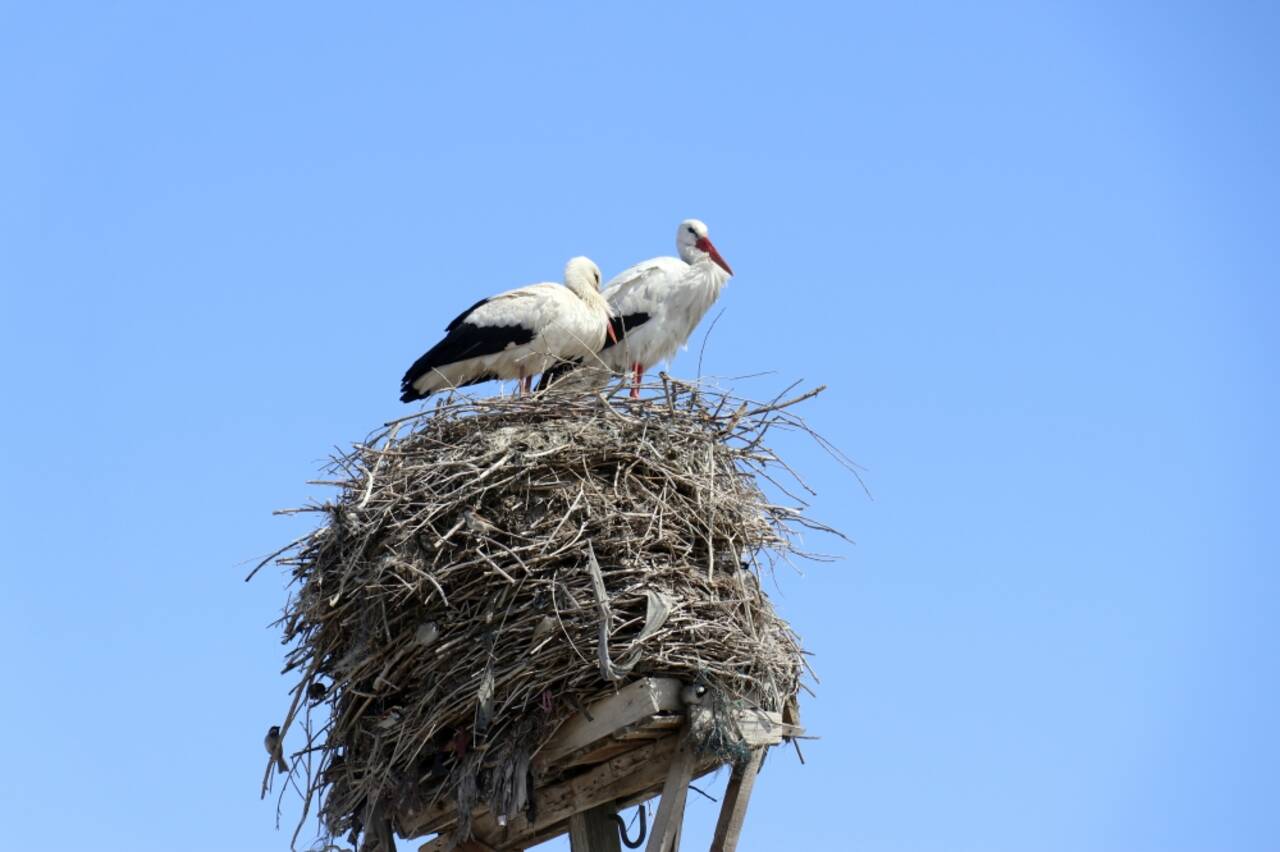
(517, 334)
(657, 304)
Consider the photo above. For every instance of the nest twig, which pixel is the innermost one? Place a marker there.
(489, 567)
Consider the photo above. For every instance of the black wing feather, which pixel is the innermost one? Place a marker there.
(464, 340)
(554, 373)
(460, 318)
(621, 324)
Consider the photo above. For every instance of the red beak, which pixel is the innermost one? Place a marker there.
(705, 244)
(613, 335)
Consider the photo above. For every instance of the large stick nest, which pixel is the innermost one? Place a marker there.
(490, 566)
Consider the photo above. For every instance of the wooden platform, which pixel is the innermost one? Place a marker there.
(622, 750)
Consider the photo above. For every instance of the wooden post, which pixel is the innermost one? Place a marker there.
(734, 809)
(594, 830)
(666, 825)
(474, 845)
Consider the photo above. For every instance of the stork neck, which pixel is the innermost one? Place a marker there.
(597, 303)
(709, 269)
(590, 296)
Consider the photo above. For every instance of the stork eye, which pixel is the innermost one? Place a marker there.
(692, 231)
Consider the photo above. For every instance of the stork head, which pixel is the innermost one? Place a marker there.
(581, 275)
(695, 245)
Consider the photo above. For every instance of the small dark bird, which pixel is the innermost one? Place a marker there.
(275, 749)
(316, 691)
(477, 523)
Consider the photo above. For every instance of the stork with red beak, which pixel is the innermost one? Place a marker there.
(517, 334)
(657, 304)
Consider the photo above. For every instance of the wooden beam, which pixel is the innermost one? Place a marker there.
(621, 777)
(666, 825)
(622, 804)
(630, 777)
(653, 727)
(594, 830)
(763, 727)
(733, 811)
(435, 817)
(631, 704)
(632, 752)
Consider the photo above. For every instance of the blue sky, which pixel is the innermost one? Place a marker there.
(1031, 248)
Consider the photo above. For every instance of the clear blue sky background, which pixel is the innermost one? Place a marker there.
(1032, 248)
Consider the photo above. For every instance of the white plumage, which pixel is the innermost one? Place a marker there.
(658, 303)
(517, 334)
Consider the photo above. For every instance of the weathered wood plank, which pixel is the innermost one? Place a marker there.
(642, 701)
(733, 811)
(626, 765)
(594, 830)
(634, 706)
(648, 732)
(761, 727)
(651, 727)
(631, 704)
(623, 803)
(600, 752)
(474, 845)
(436, 817)
(618, 778)
(666, 825)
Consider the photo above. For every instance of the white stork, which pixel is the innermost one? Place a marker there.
(657, 304)
(517, 334)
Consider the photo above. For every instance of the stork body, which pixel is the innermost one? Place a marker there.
(657, 304)
(516, 335)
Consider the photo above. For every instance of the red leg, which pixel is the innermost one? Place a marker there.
(637, 373)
